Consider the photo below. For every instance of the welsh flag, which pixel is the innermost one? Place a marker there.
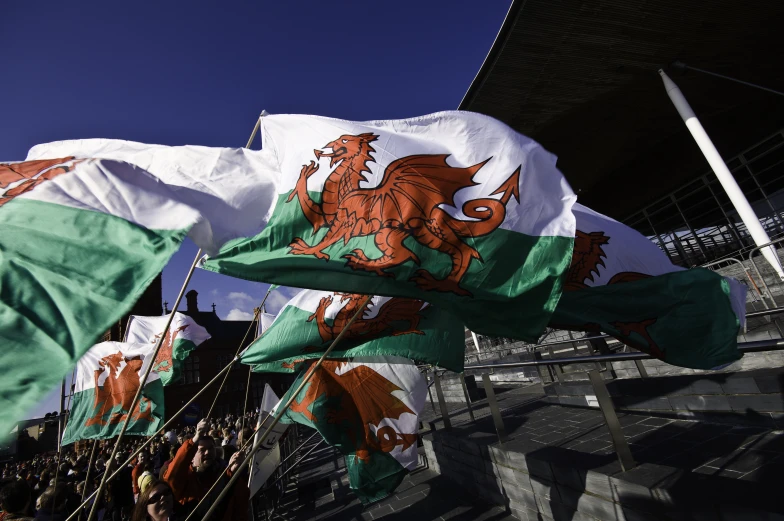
(309, 322)
(184, 336)
(454, 208)
(622, 284)
(87, 225)
(80, 241)
(368, 408)
(107, 379)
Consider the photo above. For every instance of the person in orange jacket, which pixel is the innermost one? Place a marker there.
(194, 470)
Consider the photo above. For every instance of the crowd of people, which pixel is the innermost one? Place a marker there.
(165, 481)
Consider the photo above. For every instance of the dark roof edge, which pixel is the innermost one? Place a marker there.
(495, 51)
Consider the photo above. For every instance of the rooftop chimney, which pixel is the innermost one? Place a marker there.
(193, 302)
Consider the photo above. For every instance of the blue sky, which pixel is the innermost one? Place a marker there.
(200, 72)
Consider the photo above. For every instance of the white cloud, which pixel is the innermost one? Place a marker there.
(279, 298)
(242, 304)
(240, 299)
(238, 314)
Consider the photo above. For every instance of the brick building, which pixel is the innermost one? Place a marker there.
(212, 356)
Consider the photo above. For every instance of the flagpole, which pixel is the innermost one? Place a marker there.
(279, 415)
(256, 318)
(142, 382)
(256, 128)
(728, 182)
(226, 376)
(60, 427)
(89, 468)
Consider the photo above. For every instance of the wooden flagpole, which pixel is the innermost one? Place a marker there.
(89, 468)
(239, 348)
(256, 320)
(281, 411)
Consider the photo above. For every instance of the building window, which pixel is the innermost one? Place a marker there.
(192, 370)
(258, 392)
(223, 360)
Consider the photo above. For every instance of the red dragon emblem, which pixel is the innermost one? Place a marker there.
(32, 173)
(405, 204)
(119, 388)
(393, 310)
(626, 329)
(163, 362)
(364, 395)
(587, 257)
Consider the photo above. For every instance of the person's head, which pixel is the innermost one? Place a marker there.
(145, 480)
(155, 503)
(53, 499)
(205, 457)
(173, 451)
(15, 497)
(244, 436)
(144, 456)
(119, 457)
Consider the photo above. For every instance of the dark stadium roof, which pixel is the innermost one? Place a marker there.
(581, 78)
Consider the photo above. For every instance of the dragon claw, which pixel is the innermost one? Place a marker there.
(308, 170)
(357, 260)
(426, 281)
(300, 247)
(358, 254)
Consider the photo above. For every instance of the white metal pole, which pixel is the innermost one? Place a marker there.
(476, 341)
(738, 199)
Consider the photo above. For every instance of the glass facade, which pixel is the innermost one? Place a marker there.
(697, 223)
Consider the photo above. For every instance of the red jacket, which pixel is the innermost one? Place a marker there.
(135, 473)
(189, 487)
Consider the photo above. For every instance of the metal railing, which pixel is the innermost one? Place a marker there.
(267, 500)
(761, 291)
(597, 382)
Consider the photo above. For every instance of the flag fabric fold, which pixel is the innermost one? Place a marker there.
(622, 284)
(107, 379)
(454, 208)
(265, 321)
(80, 242)
(183, 336)
(368, 408)
(232, 188)
(308, 323)
(267, 458)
